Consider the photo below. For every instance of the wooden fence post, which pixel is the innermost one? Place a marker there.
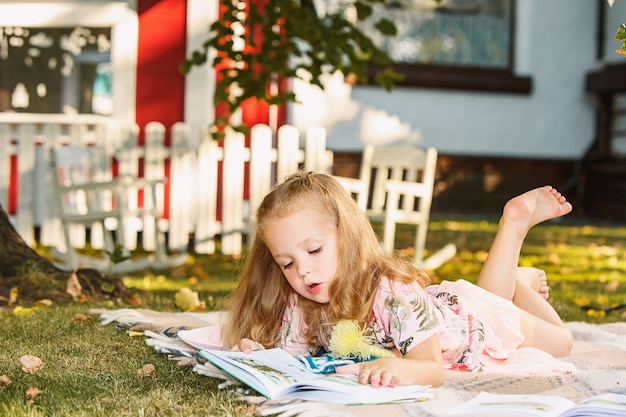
(206, 179)
(182, 188)
(235, 155)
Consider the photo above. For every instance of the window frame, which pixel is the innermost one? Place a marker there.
(465, 78)
(124, 25)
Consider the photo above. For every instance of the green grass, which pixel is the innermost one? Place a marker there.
(92, 370)
(585, 263)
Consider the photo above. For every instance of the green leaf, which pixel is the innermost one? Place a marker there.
(240, 129)
(621, 33)
(118, 254)
(303, 40)
(386, 27)
(621, 36)
(108, 287)
(363, 10)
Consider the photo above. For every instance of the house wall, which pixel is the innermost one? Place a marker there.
(492, 146)
(555, 45)
(160, 50)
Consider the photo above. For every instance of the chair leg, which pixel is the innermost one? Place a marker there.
(70, 251)
(389, 234)
(159, 238)
(420, 244)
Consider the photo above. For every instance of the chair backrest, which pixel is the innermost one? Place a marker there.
(398, 163)
(72, 167)
(395, 186)
(74, 176)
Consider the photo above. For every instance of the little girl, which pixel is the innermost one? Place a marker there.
(315, 259)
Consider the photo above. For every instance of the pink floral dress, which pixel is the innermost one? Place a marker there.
(471, 323)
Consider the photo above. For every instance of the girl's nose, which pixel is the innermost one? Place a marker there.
(303, 271)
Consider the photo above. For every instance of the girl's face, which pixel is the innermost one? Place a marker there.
(304, 245)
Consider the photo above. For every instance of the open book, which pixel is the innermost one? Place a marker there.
(542, 405)
(274, 373)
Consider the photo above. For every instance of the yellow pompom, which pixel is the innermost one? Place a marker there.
(349, 340)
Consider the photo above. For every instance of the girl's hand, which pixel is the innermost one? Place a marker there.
(248, 346)
(422, 365)
(383, 372)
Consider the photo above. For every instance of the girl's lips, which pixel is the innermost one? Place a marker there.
(314, 288)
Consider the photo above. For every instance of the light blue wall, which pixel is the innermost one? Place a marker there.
(555, 46)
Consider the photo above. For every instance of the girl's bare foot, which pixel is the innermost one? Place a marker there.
(534, 207)
(535, 278)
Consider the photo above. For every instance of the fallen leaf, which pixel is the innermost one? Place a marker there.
(13, 296)
(79, 318)
(72, 287)
(31, 364)
(199, 307)
(4, 380)
(133, 333)
(20, 311)
(43, 303)
(185, 299)
(134, 300)
(146, 370)
(32, 392)
(554, 259)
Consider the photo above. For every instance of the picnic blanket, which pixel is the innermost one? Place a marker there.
(599, 358)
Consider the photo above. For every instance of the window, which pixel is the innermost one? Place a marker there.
(55, 70)
(469, 33)
(450, 44)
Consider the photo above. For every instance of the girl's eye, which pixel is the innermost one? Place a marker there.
(287, 266)
(318, 250)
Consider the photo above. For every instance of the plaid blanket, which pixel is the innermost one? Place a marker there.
(599, 356)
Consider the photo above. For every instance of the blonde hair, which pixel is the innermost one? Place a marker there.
(256, 307)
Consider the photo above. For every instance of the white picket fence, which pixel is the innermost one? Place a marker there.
(213, 189)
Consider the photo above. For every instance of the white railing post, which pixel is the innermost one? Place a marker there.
(128, 165)
(262, 156)
(26, 173)
(181, 186)
(288, 152)
(51, 228)
(315, 150)
(6, 150)
(235, 155)
(206, 225)
(154, 168)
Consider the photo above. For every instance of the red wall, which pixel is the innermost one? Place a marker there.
(161, 49)
(160, 85)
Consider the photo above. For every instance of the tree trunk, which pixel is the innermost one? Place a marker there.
(37, 278)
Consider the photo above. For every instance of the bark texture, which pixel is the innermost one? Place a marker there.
(36, 277)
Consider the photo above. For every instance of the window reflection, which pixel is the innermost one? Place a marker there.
(467, 33)
(55, 70)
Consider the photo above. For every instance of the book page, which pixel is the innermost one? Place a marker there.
(274, 373)
(346, 389)
(267, 371)
(600, 405)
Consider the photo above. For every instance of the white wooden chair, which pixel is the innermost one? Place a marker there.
(85, 199)
(395, 186)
